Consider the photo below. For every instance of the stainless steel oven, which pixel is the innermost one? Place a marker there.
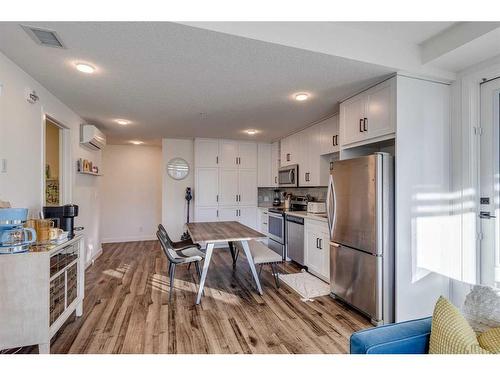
(276, 232)
(289, 176)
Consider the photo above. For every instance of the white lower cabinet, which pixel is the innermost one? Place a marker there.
(317, 249)
(248, 216)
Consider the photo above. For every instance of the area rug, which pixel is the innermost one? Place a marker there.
(306, 285)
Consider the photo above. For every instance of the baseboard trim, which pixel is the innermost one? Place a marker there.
(129, 239)
(94, 258)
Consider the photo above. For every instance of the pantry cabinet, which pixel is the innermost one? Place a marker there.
(275, 163)
(227, 191)
(369, 116)
(317, 249)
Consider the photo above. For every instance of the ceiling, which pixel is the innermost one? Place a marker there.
(409, 32)
(173, 80)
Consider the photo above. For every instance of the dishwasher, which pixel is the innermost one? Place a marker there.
(295, 238)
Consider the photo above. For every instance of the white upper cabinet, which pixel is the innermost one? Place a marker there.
(206, 186)
(329, 135)
(247, 155)
(370, 115)
(264, 165)
(228, 153)
(206, 152)
(275, 163)
(290, 150)
(381, 109)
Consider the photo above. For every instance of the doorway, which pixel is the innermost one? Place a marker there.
(53, 163)
(489, 170)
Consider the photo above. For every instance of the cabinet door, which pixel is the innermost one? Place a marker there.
(228, 152)
(313, 254)
(275, 163)
(263, 217)
(248, 216)
(324, 243)
(228, 186)
(313, 156)
(284, 151)
(206, 152)
(380, 109)
(247, 184)
(204, 214)
(301, 155)
(352, 113)
(264, 165)
(247, 153)
(228, 213)
(329, 135)
(206, 186)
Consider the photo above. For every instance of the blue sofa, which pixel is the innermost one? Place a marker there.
(411, 337)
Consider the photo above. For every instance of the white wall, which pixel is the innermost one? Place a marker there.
(174, 206)
(21, 138)
(131, 193)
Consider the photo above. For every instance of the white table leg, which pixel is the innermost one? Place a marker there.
(44, 348)
(206, 263)
(248, 254)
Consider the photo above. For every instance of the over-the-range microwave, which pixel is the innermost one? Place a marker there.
(289, 176)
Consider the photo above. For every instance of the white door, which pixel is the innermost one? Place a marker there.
(489, 183)
(247, 183)
(228, 153)
(248, 216)
(275, 162)
(352, 113)
(206, 152)
(203, 214)
(264, 165)
(247, 153)
(206, 187)
(381, 109)
(228, 213)
(228, 186)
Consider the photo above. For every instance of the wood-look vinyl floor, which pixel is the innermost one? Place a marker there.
(126, 310)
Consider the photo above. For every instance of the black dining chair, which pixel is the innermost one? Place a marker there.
(178, 245)
(177, 257)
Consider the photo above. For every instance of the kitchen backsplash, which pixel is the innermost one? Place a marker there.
(266, 195)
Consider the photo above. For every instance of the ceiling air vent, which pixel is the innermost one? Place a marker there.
(44, 37)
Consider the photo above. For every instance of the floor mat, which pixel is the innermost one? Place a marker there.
(306, 285)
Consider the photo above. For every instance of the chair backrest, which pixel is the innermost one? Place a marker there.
(166, 245)
(162, 229)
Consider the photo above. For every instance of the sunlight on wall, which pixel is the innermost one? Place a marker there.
(437, 245)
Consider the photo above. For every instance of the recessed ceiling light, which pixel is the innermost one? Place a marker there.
(137, 142)
(85, 68)
(122, 121)
(251, 131)
(301, 96)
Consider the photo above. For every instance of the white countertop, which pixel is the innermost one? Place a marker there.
(305, 215)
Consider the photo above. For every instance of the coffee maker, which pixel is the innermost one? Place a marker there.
(63, 216)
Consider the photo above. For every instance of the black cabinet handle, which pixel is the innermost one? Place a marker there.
(361, 125)
(333, 141)
(317, 243)
(275, 179)
(216, 160)
(320, 243)
(287, 157)
(365, 124)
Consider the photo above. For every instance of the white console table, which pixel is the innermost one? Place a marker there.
(39, 290)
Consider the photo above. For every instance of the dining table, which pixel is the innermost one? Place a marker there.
(221, 232)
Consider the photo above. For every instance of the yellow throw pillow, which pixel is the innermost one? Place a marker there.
(490, 340)
(451, 333)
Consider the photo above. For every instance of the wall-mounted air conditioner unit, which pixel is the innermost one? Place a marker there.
(91, 137)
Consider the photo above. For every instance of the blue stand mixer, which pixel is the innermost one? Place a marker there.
(14, 238)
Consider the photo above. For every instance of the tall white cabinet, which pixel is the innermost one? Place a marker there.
(225, 181)
(268, 162)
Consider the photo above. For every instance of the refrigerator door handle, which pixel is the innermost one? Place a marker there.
(330, 205)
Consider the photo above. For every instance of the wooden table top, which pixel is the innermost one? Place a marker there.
(222, 231)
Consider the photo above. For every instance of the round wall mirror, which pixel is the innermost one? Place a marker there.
(178, 168)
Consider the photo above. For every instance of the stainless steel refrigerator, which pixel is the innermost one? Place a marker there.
(360, 205)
